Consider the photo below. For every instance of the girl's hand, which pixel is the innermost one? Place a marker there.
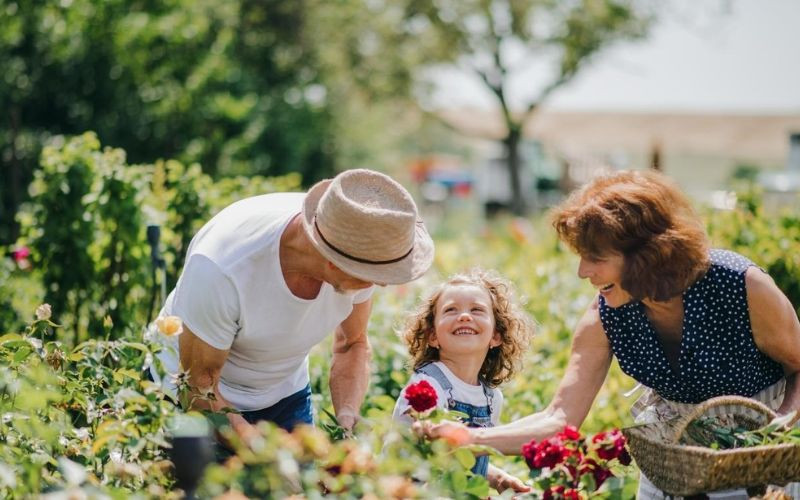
(456, 434)
(502, 480)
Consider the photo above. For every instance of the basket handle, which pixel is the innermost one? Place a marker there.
(700, 409)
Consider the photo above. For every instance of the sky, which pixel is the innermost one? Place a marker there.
(734, 56)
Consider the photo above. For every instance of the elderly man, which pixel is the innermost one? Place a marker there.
(269, 277)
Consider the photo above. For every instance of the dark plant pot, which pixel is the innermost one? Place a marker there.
(190, 455)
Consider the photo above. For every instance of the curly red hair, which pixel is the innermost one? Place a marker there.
(511, 323)
(645, 218)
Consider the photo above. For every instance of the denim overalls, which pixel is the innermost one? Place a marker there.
(479, 416)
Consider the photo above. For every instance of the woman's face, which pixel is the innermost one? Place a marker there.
(605, 273)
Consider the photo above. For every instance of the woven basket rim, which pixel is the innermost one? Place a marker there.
(730, 451)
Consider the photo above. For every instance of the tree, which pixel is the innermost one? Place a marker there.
(245, 87)
(482, 36)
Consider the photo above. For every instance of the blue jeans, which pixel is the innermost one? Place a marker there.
(292, 410)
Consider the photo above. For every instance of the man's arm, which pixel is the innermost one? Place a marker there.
(204, 364)
(586, 371)
(776, 331)
(349, 375)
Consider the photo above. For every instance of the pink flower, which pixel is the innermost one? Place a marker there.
(20, 254)
(421, 396)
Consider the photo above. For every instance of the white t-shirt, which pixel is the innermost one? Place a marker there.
(462, 391)
(232, 295)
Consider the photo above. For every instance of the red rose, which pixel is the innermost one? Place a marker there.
(572, 495)
(599, 472)
(421, 396)
(529, 452)
(610, 445)
(570, 433)
(550, 453)
(554, 492)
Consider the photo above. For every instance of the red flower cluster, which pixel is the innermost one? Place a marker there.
(552, 451)
(569, 456)
(421, 396)
(611, 445)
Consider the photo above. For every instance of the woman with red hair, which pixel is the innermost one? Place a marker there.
(686, 321)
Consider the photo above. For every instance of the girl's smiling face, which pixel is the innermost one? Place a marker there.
(604, 272)
(464, 321)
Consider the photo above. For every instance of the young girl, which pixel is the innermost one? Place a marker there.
(467, 338)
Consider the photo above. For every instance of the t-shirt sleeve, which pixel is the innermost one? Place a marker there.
(402, 406)
(363, 295)
(207, 302)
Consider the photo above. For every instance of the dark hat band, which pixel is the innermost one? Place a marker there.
(359, 259)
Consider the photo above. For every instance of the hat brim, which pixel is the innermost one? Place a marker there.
(408, 269)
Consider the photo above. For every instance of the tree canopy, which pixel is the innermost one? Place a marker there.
(482, 36)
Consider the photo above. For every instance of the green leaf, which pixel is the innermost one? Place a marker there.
(76, 356)
(10, 336)
(137, 345)
(459, 480)
(465, 457)
(477, 486)
(21, 354)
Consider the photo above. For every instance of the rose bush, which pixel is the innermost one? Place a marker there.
(569, 466)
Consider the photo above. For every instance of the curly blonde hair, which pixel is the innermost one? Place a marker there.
(513, 325)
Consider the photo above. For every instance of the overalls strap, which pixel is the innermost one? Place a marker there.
(477, 416)
(438, 375)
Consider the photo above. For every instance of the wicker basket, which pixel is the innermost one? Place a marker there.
(684, 470)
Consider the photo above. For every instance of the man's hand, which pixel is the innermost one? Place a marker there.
(502, 480)
(456, 434)
(347, 418)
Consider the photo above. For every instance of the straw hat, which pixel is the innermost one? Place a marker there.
(367, 225)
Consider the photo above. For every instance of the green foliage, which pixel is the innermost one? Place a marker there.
(711, 432)
(86, 223)
(768, 239)
(242, 88)
(59, 225)
(80, 418)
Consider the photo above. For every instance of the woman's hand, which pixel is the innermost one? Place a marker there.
(456, 434)
(502, 480)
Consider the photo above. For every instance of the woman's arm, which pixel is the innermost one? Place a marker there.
(776, 331)
(586, 371)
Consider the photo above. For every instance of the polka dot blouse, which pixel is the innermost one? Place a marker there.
(718, 355)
